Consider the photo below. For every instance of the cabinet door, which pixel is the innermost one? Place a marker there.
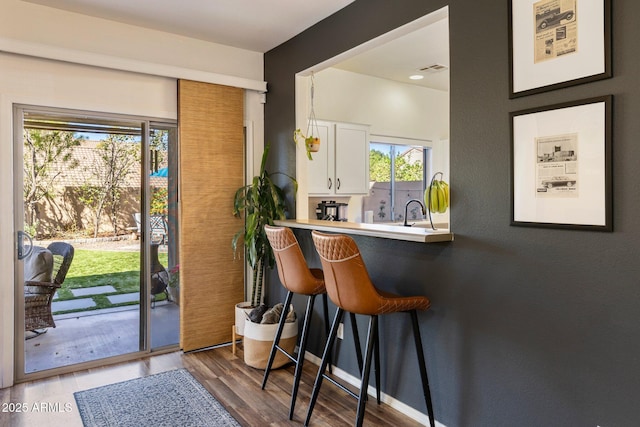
(321, 168)
(352, 159)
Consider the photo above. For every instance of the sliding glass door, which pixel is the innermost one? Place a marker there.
(163, 316)
(97, 221)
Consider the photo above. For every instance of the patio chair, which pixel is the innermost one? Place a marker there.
(159, 229)
(45, 270)
(157, 225)
(136, 219)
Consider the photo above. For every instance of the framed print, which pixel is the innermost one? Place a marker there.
(558, 43)
(561, 166)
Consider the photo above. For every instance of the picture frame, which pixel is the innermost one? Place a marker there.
(561, 174)
(557, 43)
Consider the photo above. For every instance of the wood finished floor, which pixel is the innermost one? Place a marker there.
(229, 380)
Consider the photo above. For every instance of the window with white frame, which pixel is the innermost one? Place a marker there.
(397, 174)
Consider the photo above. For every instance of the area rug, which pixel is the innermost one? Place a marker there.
(173, 398)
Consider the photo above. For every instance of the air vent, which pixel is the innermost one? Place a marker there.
(434, 68)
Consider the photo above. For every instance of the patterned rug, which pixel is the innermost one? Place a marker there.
(173, 398)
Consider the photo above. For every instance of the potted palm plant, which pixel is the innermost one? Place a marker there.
(262, 202)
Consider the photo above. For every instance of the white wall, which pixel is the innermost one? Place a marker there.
(405, 112)
(391, 108)
(24, 22)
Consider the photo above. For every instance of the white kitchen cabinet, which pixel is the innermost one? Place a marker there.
(320, 171)
(341, 167)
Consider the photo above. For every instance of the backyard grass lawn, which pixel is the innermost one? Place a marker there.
(91, 268)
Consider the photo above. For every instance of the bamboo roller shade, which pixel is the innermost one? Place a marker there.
(211, 135)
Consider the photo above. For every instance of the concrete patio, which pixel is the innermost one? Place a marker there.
(88, 335)
(91, 335)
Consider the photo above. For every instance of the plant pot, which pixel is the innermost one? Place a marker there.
(242, 312)
(313, 144)
(258, 340)
(174, 294)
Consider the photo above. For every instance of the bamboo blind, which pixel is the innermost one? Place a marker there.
(210, 122)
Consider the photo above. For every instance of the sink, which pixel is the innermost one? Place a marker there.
(424, 224)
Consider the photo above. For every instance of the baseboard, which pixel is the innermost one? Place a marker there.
(385, 398)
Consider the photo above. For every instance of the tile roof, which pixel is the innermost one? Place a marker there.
(87, 155)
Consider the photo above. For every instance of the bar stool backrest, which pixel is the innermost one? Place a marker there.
(346, 278)
(292, 266)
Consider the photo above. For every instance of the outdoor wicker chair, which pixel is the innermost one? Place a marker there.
(39, 294)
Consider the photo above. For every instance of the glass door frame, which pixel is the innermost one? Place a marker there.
(144, 322)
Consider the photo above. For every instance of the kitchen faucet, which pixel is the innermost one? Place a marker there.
(406, 208)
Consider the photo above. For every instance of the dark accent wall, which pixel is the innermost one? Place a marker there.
(528, 327)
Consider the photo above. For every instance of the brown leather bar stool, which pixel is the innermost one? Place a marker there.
(297, 278)
(350, 288)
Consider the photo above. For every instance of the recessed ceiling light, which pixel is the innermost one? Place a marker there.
(416, 77)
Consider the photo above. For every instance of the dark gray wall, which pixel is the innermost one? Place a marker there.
(528, 327)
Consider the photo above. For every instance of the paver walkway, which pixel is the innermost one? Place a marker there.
(119, 299)
(96, 290)
(77, 304)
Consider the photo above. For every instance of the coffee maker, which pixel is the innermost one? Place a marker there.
(332, 211)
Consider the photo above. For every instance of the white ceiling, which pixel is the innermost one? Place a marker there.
(405, 55)
(257, 25)
(260, 25)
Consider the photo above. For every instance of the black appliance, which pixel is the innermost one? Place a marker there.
(332, 211)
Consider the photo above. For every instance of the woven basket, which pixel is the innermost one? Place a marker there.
(258, 340)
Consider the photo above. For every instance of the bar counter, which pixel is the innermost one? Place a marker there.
(418, 233)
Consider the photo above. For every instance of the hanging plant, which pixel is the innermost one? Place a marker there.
(311, 137)
(311, 143)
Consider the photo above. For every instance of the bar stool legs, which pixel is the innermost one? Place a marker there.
(299, 361)
(423, 366)
(325, 310)
(323, 364)
(372, 338)
(276, 340)
(373, 345)
(303, 345)
(356, 339)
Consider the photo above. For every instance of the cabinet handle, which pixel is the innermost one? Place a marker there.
(338, 187)
(330, 183)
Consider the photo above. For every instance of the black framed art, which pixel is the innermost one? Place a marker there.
(561, 165)
(557, 43)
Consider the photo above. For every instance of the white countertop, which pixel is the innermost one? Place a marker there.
(397, 232)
